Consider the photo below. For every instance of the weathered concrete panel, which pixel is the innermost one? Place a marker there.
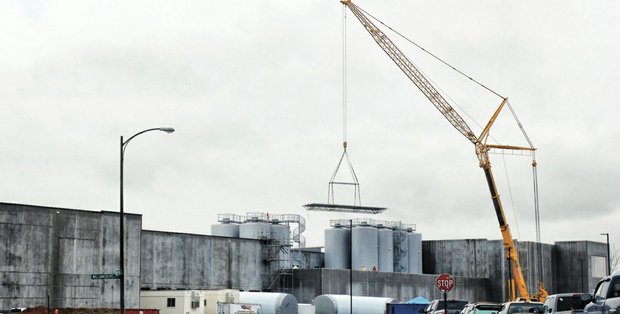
(190, 261)
(573, 271)
(45, 250)
(565, 267)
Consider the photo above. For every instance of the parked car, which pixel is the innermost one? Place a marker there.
(521, 307)
(438, 306)
(606, 296)
(566, 303)
(481, 308)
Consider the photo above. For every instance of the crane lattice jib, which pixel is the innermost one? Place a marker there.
(481, 148)
(414, 74)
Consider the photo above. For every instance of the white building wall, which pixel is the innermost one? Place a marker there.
(182, 304)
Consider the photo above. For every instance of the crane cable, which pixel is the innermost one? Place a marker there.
(357, 199)
(433, 55)
(344, 76)
(514, 211)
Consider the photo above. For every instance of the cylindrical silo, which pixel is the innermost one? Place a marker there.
(386, 250)
(280, 233)
(280, 236)
(225, 229)
(337, 247)
(415, 252)
(365, 247)
(255, 230)
(401, 248)
(340, 304)
(271, 302)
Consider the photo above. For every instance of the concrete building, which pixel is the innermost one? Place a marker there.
(47, 251)
(191, 261)
(54, 251)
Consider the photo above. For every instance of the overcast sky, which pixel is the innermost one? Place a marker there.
(254, 90)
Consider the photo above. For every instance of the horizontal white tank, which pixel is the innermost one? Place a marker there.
(271, 302)
(340, 304)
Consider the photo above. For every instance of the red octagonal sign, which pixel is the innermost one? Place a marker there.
(445, 282)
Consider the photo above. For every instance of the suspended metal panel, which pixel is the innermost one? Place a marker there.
(344, 208)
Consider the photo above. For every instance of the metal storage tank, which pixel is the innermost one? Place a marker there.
(337, 250)
(365, 247)
(225, 229)
(415, 252)
(386, 250)
(279, 232)
(271, 302)
(401, 248)
(340, 304)
(255, 230)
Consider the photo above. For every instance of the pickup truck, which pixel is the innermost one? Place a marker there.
(606, 298)
(454, 306)
(566, 303)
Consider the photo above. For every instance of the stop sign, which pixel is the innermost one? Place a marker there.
(445, 282)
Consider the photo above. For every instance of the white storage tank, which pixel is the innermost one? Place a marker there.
(271, 302)
(340, 304)
(280, 233)
(401, 249)
(365, 247)
(386, 250)
(337, 247)
(225, 229)
(255, 230)
(414, 241)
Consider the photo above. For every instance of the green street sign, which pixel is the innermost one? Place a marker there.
(117, 275)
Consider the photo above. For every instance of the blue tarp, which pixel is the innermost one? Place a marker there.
(419, 300)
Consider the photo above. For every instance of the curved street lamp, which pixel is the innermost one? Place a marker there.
(122, 215)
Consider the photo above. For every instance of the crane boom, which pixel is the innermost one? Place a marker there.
(413, 73)
(481, 147)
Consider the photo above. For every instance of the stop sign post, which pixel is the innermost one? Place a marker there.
(445, 283)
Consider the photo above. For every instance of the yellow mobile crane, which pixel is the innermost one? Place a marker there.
(482, 148)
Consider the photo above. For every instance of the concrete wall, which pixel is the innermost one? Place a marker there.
(309, 283)
(190, 261)
(487, 259)
(53, 251)
(308, 258)
(574, 265)
(468, 258)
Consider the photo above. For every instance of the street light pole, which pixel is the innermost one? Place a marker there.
(122, 214)
(608, 255)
